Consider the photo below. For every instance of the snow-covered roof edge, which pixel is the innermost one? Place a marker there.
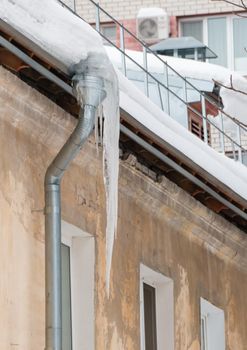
(229, 172)
(234, 102)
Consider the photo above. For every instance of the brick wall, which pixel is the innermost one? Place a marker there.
(128, 9)
(130, 42)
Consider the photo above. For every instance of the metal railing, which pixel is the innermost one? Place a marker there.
(226, 144)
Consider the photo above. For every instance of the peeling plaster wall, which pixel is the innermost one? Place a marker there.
(159, 225)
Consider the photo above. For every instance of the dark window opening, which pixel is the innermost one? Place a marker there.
(66, 299)
(150, 317)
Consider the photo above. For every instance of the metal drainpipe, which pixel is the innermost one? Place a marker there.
(90, 88)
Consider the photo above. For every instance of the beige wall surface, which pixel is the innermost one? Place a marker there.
(158, 225)
(128, 9)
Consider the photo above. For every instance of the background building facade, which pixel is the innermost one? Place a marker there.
(129, 9)
(211, 22)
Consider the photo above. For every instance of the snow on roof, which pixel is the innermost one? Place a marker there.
(234, 102)
(185, 67)
(132, 100)
(53, 28)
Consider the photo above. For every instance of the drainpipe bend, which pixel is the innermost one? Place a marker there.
(89, 88)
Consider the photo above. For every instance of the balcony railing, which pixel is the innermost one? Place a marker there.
(174, 93)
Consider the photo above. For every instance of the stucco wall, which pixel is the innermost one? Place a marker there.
(159, 225)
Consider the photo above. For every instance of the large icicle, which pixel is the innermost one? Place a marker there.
(111, 166)
(99, 64)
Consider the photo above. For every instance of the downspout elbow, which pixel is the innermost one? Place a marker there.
(72, 147)
(89, 91)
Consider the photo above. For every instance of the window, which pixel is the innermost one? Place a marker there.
(156, 310)
(77, 251)
(149, 296)
(197, 54)
(217, 40)
(109, 31)
(239, 40)
(194, 29)
(223, 35)
(66, 299)
(212, 326)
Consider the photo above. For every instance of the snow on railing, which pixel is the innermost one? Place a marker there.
(230, 141)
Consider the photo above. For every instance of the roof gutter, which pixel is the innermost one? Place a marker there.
(91, 90)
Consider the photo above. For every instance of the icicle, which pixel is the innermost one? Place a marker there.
(101, 124)
(111, 167)
(99, 65)
(96, 133)
(98, 130)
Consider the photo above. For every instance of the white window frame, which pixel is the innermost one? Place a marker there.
(229, 31)
(82, 261)
(193, 19)
(213, 326)
(204, 337)
(164, 307)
